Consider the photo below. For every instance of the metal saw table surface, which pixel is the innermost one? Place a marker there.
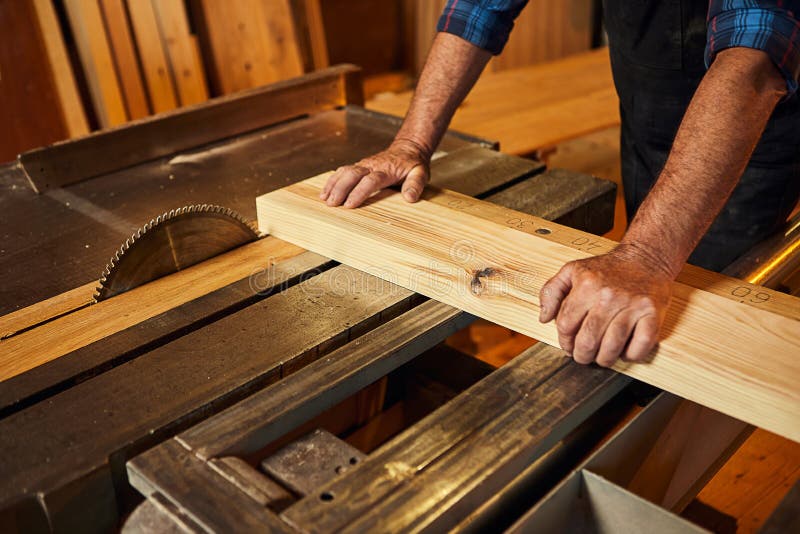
(61, 239)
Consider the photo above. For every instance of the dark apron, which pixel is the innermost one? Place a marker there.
(657, 60)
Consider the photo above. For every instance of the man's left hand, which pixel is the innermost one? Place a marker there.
(608, 306)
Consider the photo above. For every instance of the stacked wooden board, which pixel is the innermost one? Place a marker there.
(725, 344)
(144, 56)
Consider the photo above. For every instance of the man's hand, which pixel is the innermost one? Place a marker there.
(609, 306)
(403, 162)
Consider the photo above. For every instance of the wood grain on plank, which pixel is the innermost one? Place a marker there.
(98, 63)
(711, 350)
(252, 43)
(182, 53)
(61, 68)
(87, 325)
(14, 322)
(316, 33)
(157, 75)
(126, 58)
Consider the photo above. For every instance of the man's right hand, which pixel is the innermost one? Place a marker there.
(403, 161)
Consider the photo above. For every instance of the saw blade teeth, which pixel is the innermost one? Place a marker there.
(109, 283)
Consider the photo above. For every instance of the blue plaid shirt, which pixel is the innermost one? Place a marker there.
(768, 25)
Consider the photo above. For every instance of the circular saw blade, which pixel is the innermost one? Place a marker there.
(173, 241)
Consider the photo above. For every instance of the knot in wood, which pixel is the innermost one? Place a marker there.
(476, 284)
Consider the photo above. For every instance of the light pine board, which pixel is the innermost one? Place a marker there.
(70, 332)
(736, 357)
(94, 50)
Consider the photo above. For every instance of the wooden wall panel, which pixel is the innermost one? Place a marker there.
(247, 43)
(545, 30)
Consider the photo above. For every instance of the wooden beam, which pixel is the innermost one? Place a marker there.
(182, 51)
(63, 77)
(157, 75)
(80, 328)
(125, 57)
(712, 349)
(98, 64)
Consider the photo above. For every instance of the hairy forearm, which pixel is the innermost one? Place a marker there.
(452, 68)
(717, 136)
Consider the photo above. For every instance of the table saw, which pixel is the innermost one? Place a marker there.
(165, 367)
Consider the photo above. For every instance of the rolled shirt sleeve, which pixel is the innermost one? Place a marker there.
(484, 23)
(768, 25)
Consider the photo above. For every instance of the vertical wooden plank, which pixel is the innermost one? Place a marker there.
(316, 32)
(157, 74)
(29, 107)
(130, 74)
(251, 42)
(63, 77)
(98, 64)
(182, 53)
(546, 31)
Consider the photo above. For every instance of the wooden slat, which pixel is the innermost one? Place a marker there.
(40, 312)
(252, 42)
(316, 33)
(157, 75)
(496, 272)
(63, 77)
(182, 52)
(199, 491)
(98, 64)
(87, 325)
(125, 57)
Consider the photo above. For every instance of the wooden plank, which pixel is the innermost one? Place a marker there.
(496, 272)
(546, 31)
(69, 162)
(63, 77)
(199, 491)
(47, 380)
(30, 316)
(156, 68)
(531, 108)
(692, 443)
(125, 58)
(251, 43)
(98, 63)
(182, 53)
(316, 33)
(547, 199)
(29, 102)
(87, 325)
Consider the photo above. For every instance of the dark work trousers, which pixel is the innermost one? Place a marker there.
(657, 59)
